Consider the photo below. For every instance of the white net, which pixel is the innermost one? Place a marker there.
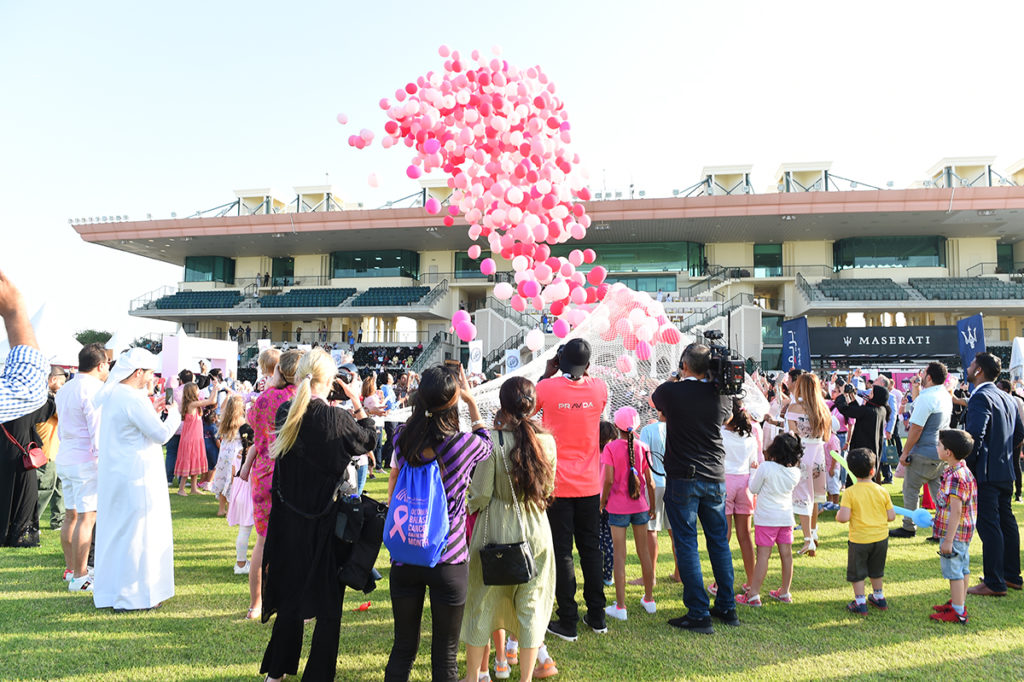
(630, 380)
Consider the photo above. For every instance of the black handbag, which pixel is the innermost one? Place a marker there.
(509, 563)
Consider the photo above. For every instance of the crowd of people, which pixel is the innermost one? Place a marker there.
(291, 455)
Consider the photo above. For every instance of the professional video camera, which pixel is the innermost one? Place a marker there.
(725, 370)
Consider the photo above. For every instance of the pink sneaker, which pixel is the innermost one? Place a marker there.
(713, 589)
(747, 600)
(778, 596)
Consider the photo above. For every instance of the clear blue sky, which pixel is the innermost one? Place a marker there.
(128, 108)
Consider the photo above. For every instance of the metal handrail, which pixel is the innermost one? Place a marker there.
(514, 341)
(704, 317)
(435, 294)
(522, 319)
(426, 355)
(146, 299)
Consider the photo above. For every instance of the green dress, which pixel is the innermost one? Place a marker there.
(523, 610)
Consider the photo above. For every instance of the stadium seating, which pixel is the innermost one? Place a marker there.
(307, 298)
(966, 288)
(375, 357)
(183, 300)
(389, 296)
(875, 289)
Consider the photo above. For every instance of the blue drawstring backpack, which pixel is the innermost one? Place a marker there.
(416, 530)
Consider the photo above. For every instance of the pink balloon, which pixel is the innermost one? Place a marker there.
(670, 335)
(473, 251)
(460, 317)
(560, 328)
(535, 340)
(529, 289)
(488, 266)
(589, 255)
(373, 181)
(624, 363)
(596, 275)
(414, 171)
(542, 271)
(576, 257)
(431, 146)
(518, 303)
(578, 296)
(432, 205)
(466, 331)
(342, 119)
(578, 231)
(503, 291)
(643, 350)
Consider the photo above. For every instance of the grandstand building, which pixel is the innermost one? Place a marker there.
(310, 268)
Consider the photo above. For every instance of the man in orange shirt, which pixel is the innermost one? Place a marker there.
(572, 405)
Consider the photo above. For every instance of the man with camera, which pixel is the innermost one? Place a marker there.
(695, 486)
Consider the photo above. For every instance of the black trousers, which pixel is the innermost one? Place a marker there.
(579, 519)
(408, 585)
(19, 494)
(388, 446)
(1000, 537)
(282, 654)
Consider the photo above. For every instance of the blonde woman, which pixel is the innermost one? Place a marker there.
(808, 418)
(231, 419)
(314, 445)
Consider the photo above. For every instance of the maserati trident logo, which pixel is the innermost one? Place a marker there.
(970, 335)
(847, 340)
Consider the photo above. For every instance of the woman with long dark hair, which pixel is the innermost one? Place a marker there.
(433, 433)
(527, 454)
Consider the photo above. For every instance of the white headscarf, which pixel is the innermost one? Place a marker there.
(127, 363)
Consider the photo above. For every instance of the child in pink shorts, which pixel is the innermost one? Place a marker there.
(741, 442)
(773, 483)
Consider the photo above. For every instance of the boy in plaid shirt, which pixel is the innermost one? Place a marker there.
(956, 511)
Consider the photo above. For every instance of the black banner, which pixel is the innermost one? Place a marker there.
(893, 342)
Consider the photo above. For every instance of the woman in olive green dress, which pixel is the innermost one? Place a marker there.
(523, 459)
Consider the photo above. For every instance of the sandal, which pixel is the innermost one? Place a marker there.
(254, 613)
(809, 548)
(545, 669)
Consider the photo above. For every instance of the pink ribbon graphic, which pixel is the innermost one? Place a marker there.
(400, 517)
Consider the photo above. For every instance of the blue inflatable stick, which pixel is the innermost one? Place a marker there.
(919, 516)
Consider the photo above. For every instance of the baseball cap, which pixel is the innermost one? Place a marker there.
(574, 357)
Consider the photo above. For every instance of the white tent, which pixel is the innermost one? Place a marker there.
(56, 339)
(1017, 358)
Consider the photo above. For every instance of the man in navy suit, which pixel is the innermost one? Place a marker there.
(995, 424)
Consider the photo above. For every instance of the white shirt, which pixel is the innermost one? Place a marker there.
(932, 410)
(773, 484)
(740, 451)
(78, 420)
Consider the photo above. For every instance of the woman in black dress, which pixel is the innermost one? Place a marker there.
(314, 446)
(869, 431)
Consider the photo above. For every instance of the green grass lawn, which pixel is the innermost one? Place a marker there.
(48, 634)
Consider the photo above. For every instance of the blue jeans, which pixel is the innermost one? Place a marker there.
(172, 456)
(361, 472)
(686, 501)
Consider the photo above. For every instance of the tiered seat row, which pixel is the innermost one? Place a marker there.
(200, 299)
(966, 288)
(307, 298)
(390, 296)
(874, 289)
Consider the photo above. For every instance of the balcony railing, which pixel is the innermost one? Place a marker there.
(982, 269)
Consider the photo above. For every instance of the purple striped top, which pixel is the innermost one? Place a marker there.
(459, 454)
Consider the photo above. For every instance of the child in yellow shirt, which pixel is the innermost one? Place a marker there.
(868, 509)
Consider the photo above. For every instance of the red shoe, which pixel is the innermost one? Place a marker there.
(942, 608)
(950, 616)
(713, 589)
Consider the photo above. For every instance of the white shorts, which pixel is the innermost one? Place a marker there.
(659, 520)
(79, 483)
(835, 481)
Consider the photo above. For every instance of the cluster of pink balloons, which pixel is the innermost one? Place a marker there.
(501, 136)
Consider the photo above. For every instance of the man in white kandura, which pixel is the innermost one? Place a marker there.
(134, 545)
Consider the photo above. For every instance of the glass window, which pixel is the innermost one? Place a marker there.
(646, 257)
(375, 264)
(283, 272)
(889, 252)
(209, 269)
(1004, 258)
(767, 260)
(771, 330)
(771, 359)
(650, 284)
(469, 268)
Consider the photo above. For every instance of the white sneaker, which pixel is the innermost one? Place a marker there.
(69, 575)
(242, 570)
(649, 606)
(83, 584)
(615, 612)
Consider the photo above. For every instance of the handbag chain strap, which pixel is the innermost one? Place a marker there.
(515, 498)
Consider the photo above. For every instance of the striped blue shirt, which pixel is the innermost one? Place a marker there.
(23, 383)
